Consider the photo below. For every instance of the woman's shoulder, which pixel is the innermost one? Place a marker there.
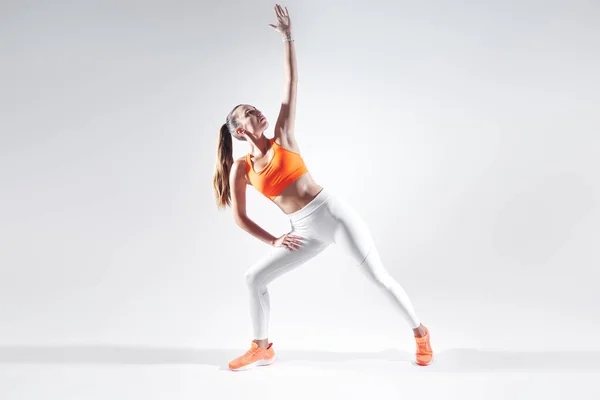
(243, 164)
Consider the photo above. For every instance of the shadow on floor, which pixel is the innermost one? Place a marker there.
(452, 360)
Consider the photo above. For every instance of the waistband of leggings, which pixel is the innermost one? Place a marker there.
(311, 207)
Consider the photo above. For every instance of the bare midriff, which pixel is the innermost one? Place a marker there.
(297, 194)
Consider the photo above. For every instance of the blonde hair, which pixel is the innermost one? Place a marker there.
(224, 160)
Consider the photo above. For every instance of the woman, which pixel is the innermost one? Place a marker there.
(318, 217)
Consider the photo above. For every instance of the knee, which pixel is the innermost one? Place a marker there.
(377, 274)
(382, 282)
(252, 279)
(385, 282)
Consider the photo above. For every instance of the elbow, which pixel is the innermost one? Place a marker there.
(240, 219)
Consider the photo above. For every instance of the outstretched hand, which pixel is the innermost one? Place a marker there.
(284, 24)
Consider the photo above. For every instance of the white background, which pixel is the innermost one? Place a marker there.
(465, 134)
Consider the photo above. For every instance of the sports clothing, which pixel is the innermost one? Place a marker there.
(285, 167)
(325, 220)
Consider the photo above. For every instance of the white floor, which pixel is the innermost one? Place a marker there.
(112, 372)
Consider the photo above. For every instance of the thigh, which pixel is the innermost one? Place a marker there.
(281, 260)
(351, 231)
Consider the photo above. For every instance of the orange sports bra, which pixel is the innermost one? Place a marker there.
(285, 167)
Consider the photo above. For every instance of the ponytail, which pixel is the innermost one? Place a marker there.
(223, 167)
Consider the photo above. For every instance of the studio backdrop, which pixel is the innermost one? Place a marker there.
(464, 133)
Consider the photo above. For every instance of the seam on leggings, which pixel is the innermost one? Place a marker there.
(368, 252)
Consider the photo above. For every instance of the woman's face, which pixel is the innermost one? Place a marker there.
(251, 119)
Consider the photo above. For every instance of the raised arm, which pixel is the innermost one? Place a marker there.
(284, 127)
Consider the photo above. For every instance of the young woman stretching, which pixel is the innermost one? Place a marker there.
(317, 216)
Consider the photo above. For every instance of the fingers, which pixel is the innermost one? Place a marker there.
(280, 11)
(291, 243)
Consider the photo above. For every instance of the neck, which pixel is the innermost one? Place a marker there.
(262, 145)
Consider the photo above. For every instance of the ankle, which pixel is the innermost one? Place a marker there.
(262, 342)
(419, 331)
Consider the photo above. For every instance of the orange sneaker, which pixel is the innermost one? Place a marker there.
(256, 356)
(424, 352)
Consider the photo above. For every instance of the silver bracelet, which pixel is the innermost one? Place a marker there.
(288, 38)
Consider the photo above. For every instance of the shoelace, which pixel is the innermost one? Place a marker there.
(423, 347)
(252, 351)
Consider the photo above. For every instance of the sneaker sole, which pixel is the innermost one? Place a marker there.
(259, 363)
(414, 362)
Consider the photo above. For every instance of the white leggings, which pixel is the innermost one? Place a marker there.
(325, 220)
